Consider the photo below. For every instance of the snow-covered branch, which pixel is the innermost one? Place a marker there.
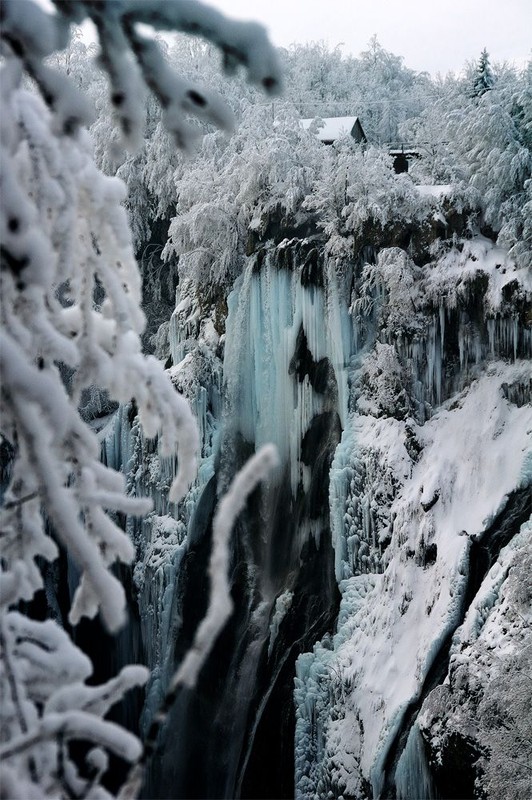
(220, 604)
(71, 320)
(132, 60)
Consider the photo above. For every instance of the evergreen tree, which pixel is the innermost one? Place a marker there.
(484, 79)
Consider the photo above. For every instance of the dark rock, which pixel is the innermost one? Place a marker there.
(518, 393)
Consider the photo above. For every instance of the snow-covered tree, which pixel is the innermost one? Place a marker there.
(482, 145)
(264, 169)
(65, 245)
(484, 79)
(376, 86)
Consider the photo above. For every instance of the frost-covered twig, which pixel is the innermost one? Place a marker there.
(65, 240)
(76, 725)
(220, 603)
(32, 34)
(15, 690)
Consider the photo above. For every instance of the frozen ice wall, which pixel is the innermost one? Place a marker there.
(160, 538)
(288, 349)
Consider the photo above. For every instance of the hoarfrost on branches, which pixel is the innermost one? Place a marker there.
(71, 321)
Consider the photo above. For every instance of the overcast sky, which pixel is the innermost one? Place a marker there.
(431, 36)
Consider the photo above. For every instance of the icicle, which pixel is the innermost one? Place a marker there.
(527, 342)
(266, 313)
(340, 478)
(491, 325)
(442, 325)
(413, 779)
(515, 334)
(462, 346)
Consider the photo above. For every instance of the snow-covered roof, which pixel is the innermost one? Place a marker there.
(336, 127)
(436, 190)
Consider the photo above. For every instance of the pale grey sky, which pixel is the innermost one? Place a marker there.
(431, 36)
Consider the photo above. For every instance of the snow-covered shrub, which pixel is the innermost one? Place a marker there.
(383, 384)
(390, 289)
(361, 195)
(65, 245)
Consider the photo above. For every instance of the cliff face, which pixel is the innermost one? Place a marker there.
(430, 482)
(395, 382)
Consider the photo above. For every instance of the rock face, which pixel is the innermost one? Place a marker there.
(423, 511)
(378, 567)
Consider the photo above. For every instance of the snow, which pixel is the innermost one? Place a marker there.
(247, 42)
(390, 625)
(97, 699)
(390, 508)
(166, 537)
(381, 441)
(282, 606)
(410, 487)
(42, 33)
(477, 256)
(64, 224)
(435, 190)
(77, 725)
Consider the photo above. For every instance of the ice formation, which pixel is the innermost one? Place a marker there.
(269, 311)
(399, 411)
